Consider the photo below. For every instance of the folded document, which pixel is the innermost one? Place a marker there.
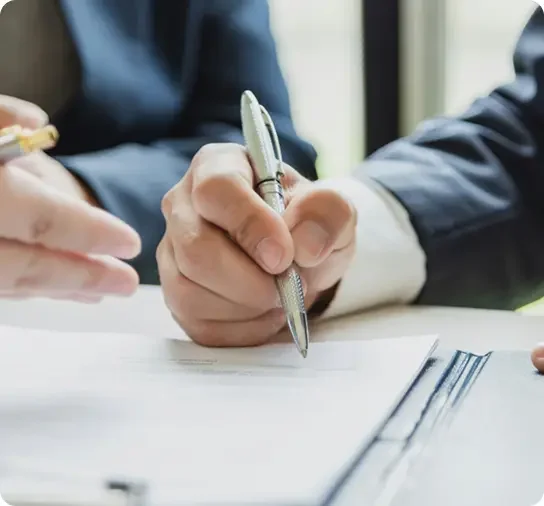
(197, 426)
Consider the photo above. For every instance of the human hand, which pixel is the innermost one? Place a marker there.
(53, 243)
(54, 174)
(538, 358)
(18, 112)
(223, 244)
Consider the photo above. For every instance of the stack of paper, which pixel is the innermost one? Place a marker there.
(200, 426)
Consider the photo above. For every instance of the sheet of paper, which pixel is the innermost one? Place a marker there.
(201, 426)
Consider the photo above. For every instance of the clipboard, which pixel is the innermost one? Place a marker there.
(467, 432)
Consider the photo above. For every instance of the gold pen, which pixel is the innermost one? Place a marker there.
(16, 141)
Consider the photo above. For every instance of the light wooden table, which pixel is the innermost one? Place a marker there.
(145, 313)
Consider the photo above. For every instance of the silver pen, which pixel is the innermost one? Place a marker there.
(265, 155)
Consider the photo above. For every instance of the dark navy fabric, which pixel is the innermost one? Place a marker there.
(160, 79)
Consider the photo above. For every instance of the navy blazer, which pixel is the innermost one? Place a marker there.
(160, 79)
(474, 187)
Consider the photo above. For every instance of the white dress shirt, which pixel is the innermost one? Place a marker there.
(389, 265)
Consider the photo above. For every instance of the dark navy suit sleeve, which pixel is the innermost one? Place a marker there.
(474, 187)
(236, 51)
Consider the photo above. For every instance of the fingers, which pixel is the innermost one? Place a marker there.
(223, 243)
(327, 274)
(210, 319)
(235, 334)
(223, 194)
(208, 258)
(321, 221)
(189, 300)
(537, 358)
(14, 111)
(34, 213)
(27, 270)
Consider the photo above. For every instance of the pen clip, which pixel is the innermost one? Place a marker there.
(269, 124)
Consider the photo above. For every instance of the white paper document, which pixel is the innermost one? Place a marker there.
(201, 426)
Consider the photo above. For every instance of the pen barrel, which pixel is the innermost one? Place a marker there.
(288, 283)
(290, 291)
(271, 192)
(10, 148)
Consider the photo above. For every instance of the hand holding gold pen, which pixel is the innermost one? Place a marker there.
(49, 238)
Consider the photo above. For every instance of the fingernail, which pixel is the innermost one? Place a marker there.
(312, 237)
(269, 253)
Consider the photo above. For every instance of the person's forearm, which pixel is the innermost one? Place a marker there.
(473, 187)
(471, 204)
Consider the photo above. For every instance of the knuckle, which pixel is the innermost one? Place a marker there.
(215, 188)
(211, 150)
(204, 152)
(166, 203)
(169, 200)
(43, 226)
(191, 253)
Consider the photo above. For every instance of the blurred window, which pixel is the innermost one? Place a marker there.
(481, 36)
(319, 44)
(453, 51)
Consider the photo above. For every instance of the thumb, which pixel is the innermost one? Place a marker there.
(321, 221)
(223, 194)
(538, 358)
(14, 111)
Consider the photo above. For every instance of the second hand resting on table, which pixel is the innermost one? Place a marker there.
(53, 241)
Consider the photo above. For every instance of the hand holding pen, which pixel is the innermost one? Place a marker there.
(49, 236)
(225, 247)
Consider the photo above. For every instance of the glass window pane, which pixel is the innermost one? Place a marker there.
(481, 35)
(320, 51)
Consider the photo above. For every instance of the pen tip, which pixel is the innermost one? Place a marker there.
(304, 353)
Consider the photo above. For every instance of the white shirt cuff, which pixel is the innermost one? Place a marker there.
(389, 265)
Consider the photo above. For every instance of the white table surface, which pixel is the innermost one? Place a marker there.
(145, 313)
